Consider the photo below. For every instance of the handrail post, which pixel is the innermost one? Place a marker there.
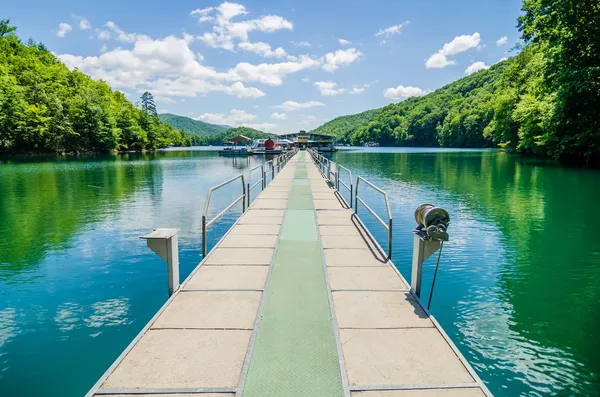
(244, 194)
(350, 191)
(390, 238)
(203, 236)
(165, 244)
(248, 190)
(262, 174)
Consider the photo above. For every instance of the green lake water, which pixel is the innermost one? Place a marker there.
(517, 291)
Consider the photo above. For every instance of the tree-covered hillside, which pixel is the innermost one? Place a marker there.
(191, 126)
(344, 127)
(544, 100)
(45, 107)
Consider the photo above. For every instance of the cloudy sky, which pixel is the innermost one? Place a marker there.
(279, 66)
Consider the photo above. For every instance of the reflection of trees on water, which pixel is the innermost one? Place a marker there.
(551, 269)
(43, 205)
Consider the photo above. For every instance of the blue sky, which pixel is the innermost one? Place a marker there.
(280, 66)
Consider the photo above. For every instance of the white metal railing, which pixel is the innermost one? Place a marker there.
(324, 166)
(251, 186)
(277, 163)
(206, 224)
(388, 225)
(339, 182)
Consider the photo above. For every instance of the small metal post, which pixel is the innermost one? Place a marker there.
(248, 190)
(203, 236)
(164, 243)
(390, 239)
(272, 170)
(264, 179)
(246, 195)
(351, 193)
(422, 249)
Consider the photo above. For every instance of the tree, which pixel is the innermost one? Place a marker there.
(567, 32)
(148, 105)
(5, 28)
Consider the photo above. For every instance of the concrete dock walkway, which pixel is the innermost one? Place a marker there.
(295, 300)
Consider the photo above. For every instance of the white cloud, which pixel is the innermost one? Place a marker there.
(307, 120)
(392, 30)
(162, 99)
(476, 67)
(438, 60)
(103, 49)
(456, 46)
(301, 43)
(333, 60)
(270, 73)
(235, 118)
(266, 127)
(401, 92)
(84, 24)
(103, 35)
(503, 59)
(327, 88)
(63, 29)
(306, 79)
(502, 41)
(357, 90)
(240, 91)
(262, 49)
(226, 32)
(290, 106)
(169, 67)
(125, 37)
(344, 42)
(279, 116)
(202, 14)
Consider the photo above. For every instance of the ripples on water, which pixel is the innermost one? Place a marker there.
(517, 289)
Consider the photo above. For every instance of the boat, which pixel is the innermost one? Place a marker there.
(266, 146)
(371, 144)
(234, 149)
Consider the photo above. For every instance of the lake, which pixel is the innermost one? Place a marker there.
(517, 290)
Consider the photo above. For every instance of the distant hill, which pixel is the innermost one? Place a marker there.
(344, 126)
(460, 114)
(191, 126)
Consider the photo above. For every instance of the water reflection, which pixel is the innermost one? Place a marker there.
(76, 281)
(520, 276)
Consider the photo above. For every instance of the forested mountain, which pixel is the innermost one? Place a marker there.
(45, 107)
(544, 100)
(344, 127)
(226, 135)
(191, 126)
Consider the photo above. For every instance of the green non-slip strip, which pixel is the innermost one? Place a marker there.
(295, 352)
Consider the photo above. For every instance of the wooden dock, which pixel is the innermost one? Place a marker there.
(295, 300)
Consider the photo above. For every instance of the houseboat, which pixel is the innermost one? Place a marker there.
(238, 146)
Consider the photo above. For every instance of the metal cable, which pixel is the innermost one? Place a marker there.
(435, 275)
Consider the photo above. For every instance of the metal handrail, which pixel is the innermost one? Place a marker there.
(339, 181)
(205, 224)
(262, 179)
(272, 170)
(387, 226)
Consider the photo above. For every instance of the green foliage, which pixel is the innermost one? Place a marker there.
(453, 116)
(544, 100)
(246, 131)
(45, 107)
(343, 127)
(191, 126)
(567, 33)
